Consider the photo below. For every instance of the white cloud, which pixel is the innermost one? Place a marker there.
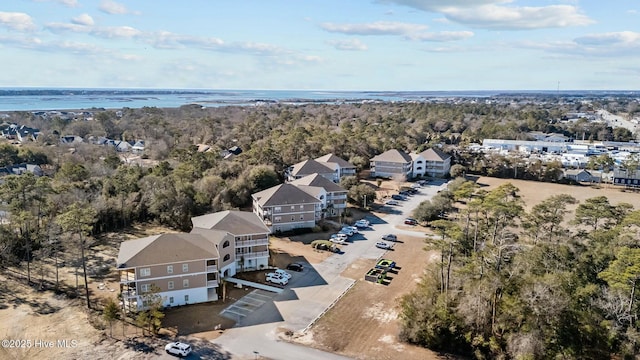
(114, 8)
(67, 3)
(84, 19)
(622, 38)
(16, 21)
(518, 18)
(375, 28)
(611, 44)
(117, 32)
(501, 14)
(348, 45)
(632, 11)
(442, 36)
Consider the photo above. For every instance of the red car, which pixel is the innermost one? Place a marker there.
(410, 221)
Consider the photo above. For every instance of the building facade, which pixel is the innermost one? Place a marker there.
(286, 207)
(391, 164)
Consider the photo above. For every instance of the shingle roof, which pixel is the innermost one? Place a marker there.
(393, 155)
(318, 180)
(233, 222)
(310, 167)
(283, 194)
(165, 248)
(433, 154)
(331, 158)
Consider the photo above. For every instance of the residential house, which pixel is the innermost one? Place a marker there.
(248, 249)
(309, 167)
(581, 175)
(71, 139)
(21, 133)
(182, 267)
(391, 163)
(334, 197)
(344, 167)
(432, 162)
(19, 169)
(285, 207)
(627, 178)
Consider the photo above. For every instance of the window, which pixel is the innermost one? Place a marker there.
(277, 209)
(301, 217)
(170, 285)
(186, 298)
(169, 269)
(171, 300)
(293, 218)
(226, 257)
(225, 244)
(185, 283)
(145, 288)
(185, 267)
(277, 219)
(145, 272)
(301, 207)
(293, 207)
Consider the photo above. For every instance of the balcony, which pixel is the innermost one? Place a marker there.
(212, 268)
(244, 243)
(212, 283)
(253, 255)
(129, 295)
(127, 277)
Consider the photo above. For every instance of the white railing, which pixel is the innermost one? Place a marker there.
(242, 243)
(253, 255)
(127, 278)
(212, 283)
(212, 268)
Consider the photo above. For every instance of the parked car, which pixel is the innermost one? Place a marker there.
(295, 267)
(362, 223)
(276, 279)
(283, 273)
(397, 197)
(383, 245)
(353, 229)
(346, 230)
(339, 236)
(410, 221)
(178, 348)
(422, 182)
(390, 237)
(392, 202)
(416, 185)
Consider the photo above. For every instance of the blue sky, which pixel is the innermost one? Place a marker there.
(321, 44)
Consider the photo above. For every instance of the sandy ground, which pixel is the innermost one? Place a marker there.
(533, 192)
(364, 323)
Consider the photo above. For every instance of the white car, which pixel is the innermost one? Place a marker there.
(336, 240)
(347, 231)
(353, 229)
(282, 273)
(362, 223)
(339, 236)
(392, 202)
(178, 348)
(390, 237)
(383, 245)
(276, 279)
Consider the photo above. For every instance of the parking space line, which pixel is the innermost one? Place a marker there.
(257, 303)
(233, 312)
(255, 292)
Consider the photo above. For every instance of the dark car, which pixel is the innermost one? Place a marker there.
(295, 267)
(410, 221)
(397, 197)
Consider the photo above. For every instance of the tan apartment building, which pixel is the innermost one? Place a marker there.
(333, 198)
(182, 267)
(344, 167)
(391, 164)
(285, 207)
(431, 162)
(249, 247)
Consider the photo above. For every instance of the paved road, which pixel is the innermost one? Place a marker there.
(312, 291)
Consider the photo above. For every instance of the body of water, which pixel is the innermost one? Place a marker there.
(31, 99)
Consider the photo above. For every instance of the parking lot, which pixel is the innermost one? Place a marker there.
(312, 291)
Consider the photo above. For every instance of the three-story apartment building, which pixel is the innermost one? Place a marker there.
(344, 167)
(333, 197)
(391, 164)
(249, 248)
(285, 207)
(174, 269)
(431, 162)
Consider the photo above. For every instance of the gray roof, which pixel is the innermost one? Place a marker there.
(393, 155)
(319, 180)
(433, 154)
(283, 194)
(231, 221)
(165, 248)
(310, 167)
(331, 158)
